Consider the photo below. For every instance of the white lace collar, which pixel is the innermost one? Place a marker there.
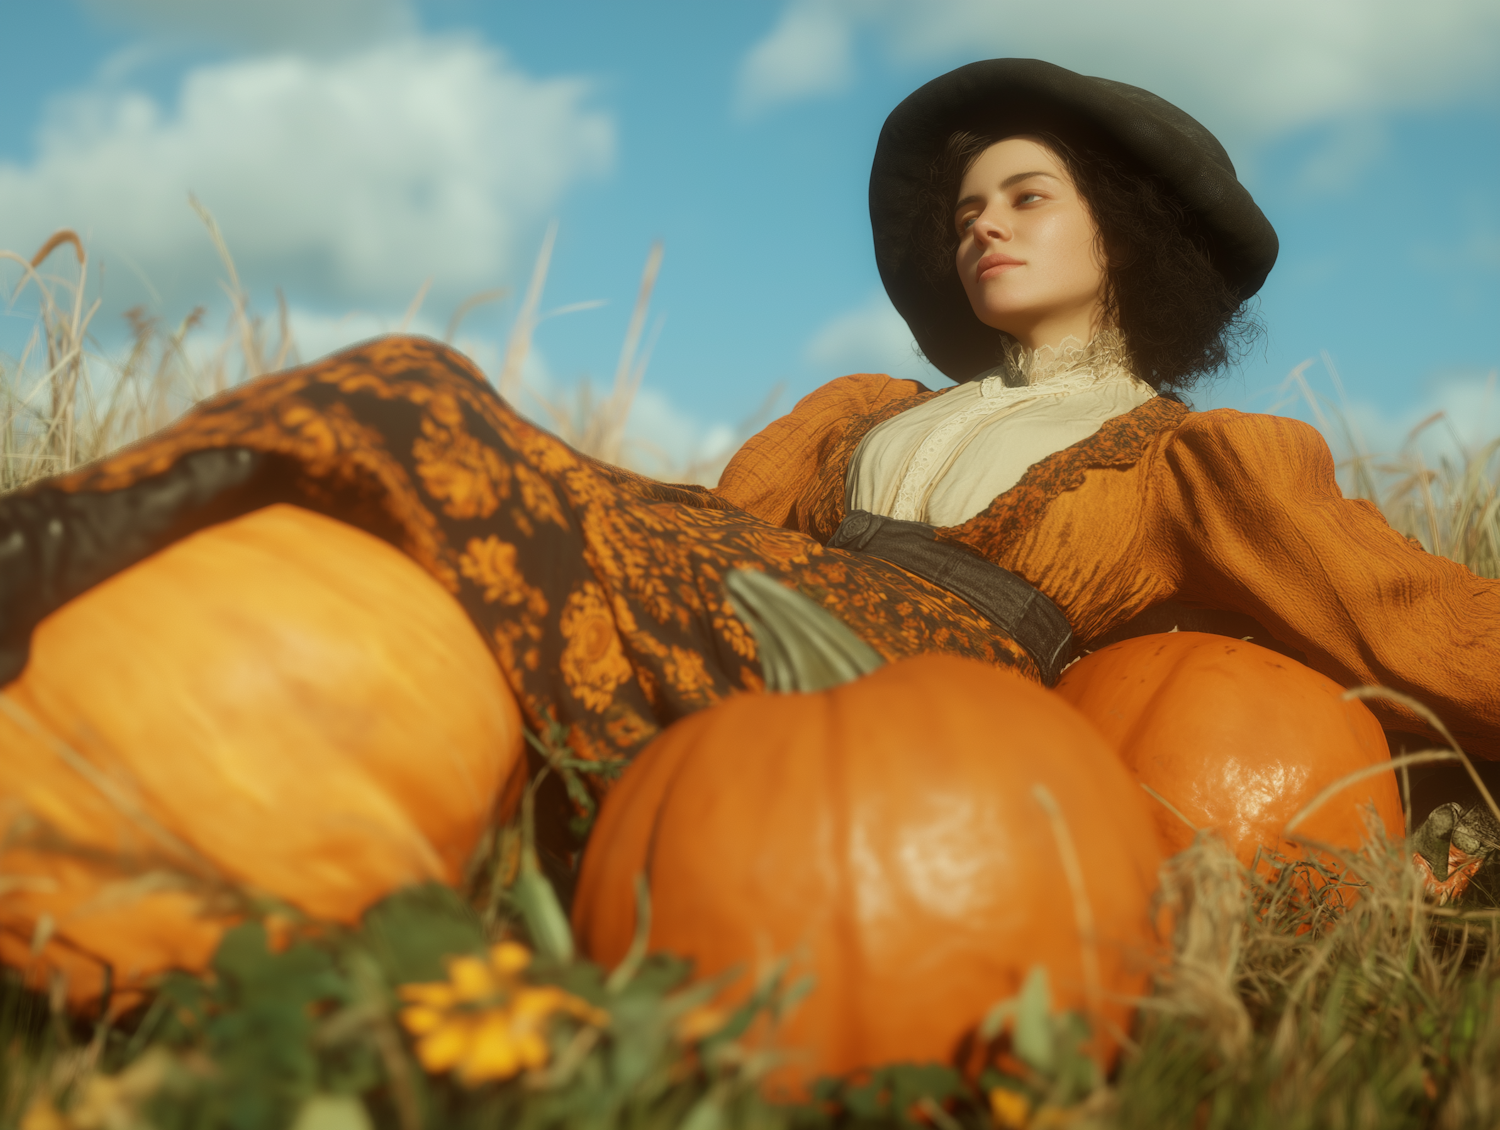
(1102, 358)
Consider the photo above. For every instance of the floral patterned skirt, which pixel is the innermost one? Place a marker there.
(599, 591)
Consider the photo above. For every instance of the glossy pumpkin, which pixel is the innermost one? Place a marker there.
(279, 704)
(886, 836)
(1237, 738)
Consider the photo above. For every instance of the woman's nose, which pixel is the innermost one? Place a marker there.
(991, 229)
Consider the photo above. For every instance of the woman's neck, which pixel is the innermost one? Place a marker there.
(1058, 328)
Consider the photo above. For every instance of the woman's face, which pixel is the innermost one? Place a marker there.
(1028, 248)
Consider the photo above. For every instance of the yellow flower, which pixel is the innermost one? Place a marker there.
(495, 1051)
(447, 1045)
(471, 979)
(485, 1022)
(1011, 1109)
(509, 958)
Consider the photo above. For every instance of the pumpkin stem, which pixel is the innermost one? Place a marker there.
(803, 646)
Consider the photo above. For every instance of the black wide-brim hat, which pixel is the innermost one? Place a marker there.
(1025, 96)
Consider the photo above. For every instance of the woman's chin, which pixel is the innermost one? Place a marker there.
(1010, 312)
(1010, 320)
(1023, 319)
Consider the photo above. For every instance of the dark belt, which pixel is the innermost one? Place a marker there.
(1010, 603)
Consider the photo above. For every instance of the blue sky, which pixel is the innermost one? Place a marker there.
(352, 149)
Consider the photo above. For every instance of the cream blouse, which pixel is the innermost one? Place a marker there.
(945, 460)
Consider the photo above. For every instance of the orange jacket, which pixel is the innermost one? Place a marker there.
(1221, 510)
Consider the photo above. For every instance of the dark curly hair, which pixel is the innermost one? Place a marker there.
(1179, 318)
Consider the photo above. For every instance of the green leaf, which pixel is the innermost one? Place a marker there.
(1033, 1038)
(867, 1099)
(887, 1096)
(261, 1024)
(909, 1082)
(254, 978)
(412, 931)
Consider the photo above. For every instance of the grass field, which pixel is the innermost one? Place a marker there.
(1277, 1011)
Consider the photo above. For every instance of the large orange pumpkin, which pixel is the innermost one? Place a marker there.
(1237, 738)
(280, 704)
(887, 836)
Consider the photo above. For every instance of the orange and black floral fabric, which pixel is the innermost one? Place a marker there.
(599, 591)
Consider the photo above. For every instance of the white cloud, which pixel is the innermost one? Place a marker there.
(213, 349)
(871, 338)
(808, 52)
(663, 440)
(262, 24)
(347, 179)
(1247, 70)
(318, 334)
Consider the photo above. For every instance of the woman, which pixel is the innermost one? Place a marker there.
(1070, 250)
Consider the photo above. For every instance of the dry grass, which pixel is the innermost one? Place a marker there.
(1451, 503)
(1285, 1015)
(1451, 507)
(65, 401)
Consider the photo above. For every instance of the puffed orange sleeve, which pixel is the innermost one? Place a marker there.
(1247, 515)
(770, 475)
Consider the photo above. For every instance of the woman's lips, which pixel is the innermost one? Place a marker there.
(994, 264)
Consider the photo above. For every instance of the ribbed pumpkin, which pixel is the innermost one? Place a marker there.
(887, 836)
(282, 704)
(1237, 738)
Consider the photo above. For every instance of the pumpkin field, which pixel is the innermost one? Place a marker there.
(1295, 975)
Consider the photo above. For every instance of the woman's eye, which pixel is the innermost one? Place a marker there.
(1028, 197)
